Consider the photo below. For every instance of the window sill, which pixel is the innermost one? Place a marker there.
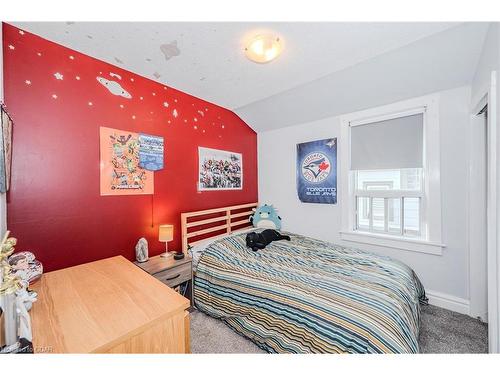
(420, 246)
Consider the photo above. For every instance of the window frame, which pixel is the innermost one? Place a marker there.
(430, 204)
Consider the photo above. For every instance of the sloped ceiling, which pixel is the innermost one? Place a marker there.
(207, 59)
(443, 61)
(326, 68)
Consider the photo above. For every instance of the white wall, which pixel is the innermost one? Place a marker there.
(3, 202)
(446, 274)
(488, 61)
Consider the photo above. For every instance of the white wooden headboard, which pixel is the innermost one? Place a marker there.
(213, 222)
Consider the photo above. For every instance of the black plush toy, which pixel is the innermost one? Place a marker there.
(257, 241)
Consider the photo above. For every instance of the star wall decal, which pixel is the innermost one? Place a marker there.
(200, 112)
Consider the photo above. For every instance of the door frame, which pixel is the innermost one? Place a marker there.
(477, 218)
(489, 97)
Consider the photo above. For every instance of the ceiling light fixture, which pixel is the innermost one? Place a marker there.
(264, 48)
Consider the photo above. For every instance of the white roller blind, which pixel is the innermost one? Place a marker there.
(388, 144)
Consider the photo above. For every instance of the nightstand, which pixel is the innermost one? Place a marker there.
(171, 272)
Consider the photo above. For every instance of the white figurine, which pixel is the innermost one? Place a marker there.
(141, 250)
(23, 300)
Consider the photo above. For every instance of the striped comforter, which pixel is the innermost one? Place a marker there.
(310, 296)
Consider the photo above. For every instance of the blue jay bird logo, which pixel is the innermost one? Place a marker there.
(316, 167)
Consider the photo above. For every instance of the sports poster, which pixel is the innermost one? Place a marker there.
(317, 171)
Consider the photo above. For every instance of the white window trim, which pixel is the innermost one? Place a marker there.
(432, 179)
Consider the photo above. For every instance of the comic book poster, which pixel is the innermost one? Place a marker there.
(120, 171)
(219, 170)
(317, 171)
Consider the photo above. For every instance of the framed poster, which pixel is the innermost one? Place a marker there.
(120, 170)
(317, 171)
(219, 170)
(5, 150)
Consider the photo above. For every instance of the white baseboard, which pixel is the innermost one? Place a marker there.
(449, 302)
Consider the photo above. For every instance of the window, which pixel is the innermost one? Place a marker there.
(388, 201)
(390, 176)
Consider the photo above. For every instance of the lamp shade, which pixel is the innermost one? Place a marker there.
(166, 233)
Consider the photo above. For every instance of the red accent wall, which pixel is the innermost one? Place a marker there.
(54, 206)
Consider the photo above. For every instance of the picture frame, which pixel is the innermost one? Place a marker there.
(219, 170)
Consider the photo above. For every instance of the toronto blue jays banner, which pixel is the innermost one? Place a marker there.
(317, 171)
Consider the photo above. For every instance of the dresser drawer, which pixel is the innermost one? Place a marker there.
(176, 275)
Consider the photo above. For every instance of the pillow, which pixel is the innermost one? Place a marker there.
(265, 217)
(197, 249)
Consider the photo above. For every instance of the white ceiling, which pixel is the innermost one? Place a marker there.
(211, 64)
(439, 62)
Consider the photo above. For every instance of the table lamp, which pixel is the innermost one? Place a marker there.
(166, 234)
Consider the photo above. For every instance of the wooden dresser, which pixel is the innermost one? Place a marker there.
(108, 306)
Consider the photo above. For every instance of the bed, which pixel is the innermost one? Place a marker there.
(304, 295)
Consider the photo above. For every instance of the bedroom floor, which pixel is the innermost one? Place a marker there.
(442, 331)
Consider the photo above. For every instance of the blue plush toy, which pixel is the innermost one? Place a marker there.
(265, 217)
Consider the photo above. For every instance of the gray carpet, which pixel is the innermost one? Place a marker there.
(442, 331)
